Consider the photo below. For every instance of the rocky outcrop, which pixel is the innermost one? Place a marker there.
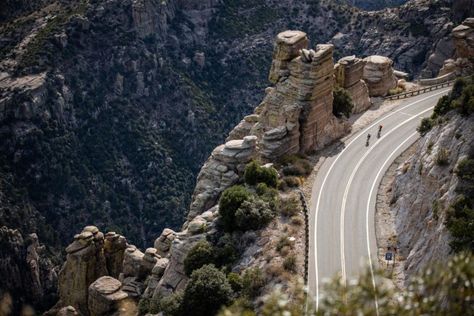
(26, 273)
(349, 71)
(287, 46)
(221, 170)
(163, 243)
(85, 263)
(463, 61)
(378, 74)
(424, 188)
(151, 17)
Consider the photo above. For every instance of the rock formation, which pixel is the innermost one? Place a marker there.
(85, 263)
(26, 273)
(378, 74)
(349, 71)
(423, 190)
(105, 296)
(114, 247)
(220, 171)
(462, 62)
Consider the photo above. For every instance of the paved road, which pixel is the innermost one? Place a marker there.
(342, 237)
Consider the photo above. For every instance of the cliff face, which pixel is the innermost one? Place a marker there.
(424, 188)
(27, 274)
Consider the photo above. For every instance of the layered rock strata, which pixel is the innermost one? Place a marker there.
(379, 76)
(349, 71)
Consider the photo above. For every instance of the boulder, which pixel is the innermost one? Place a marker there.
(67, 311)
(105, 296)
(163, 243)
(148, 262)
(378, 74)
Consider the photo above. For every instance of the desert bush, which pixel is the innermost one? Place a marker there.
(253, 214)
(225, 251)
(229, 203)
(283, 242)
(290, 206)
(296, 220)
(442, 157)
(342, 104)
(206, 292)
(396, 90)
(292, 181)
(253, 281)
(289, 264)
(425, 126)
(202, 253)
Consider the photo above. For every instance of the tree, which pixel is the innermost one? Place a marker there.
(342, 104)
(202, 253)
(229, 203)
(207, 291)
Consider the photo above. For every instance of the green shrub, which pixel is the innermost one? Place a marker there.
(200, 254)
(289, 264)
(342, 104)
(172, 305)
(253, 214)
(206, 292)
(299, 167)
(458, 87)
(254, 173)
(251, 172)
(296, 220)
(225, 251)
(442, 107)
(143, 306)
(425, 126)
(235, 281)
(442, 157)
(465, 103)
(465, 170)
(261, 189)
(229, 203)
(252, 282)
(460, 223)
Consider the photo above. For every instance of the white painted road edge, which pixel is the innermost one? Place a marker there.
(329, 171)
(389, 159)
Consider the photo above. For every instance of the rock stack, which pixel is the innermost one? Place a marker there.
(349, 71)
(378, 74)
(463, 62)
(287, 46)
(85, 263)
(114, 248)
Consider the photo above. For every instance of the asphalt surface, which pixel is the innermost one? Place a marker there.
(342, 207)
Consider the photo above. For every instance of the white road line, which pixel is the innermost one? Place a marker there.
(368, 211)
(329, 171)
(346, 193)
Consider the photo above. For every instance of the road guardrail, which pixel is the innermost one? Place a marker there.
(408, 94)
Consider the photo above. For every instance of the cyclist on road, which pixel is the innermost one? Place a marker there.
(368, 139)
(380, 131)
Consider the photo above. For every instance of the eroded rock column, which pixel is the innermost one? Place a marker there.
(378, 74)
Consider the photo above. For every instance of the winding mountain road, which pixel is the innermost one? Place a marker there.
(342, 207)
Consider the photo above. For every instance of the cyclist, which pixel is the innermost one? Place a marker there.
(368, 139)
(380, 131)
